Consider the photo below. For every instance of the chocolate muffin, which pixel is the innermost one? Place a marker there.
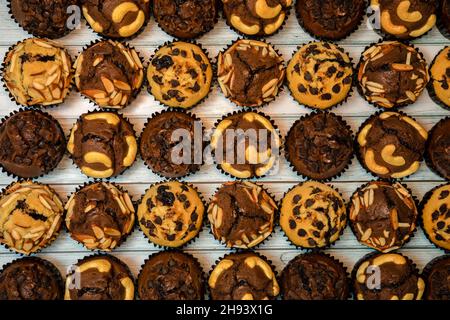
(330, 19)
(180, 75)
(31, 278)
(99, 277)
(444, 18)
(382, 215)
(116, 18)
(439, 85)
(312, 215)
(314, 276)
(186, 19)
(246, 144)
(159, 144)
(37, 72)
(31, 216)
(437, 152)
(102, 144)
(100, 216)
(256, 18)
(436, 216)
(437, 278)
(109, 73)
(32, 143)
(243, 276)
(319, 146)
(405, 19)
(391, 145)
(250, 73)
(241, 214)
(171, 275)
(44, 18)
(398, 278)
(171, 213)
(392, 74)
(319, 75)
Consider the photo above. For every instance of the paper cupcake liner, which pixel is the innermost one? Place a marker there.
(427, 271)
(304, 176)
(430, 87)
(443, 28)
(426, 155)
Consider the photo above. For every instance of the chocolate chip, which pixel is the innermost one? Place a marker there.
(439, 237)
(326, 96)
(296, 199)
(312, 242)
(316, 234)
(309, 203)
(158, 220)
(331, 70)
(297, 68)
(182, 197)
(174, 83)
(347, 80)
(340, 74)
(157, 79)
(296, 210)
(178, 225)
(320, 225)
(308, 76)
(164, 62)
(194, 216)
(434, 215)
(196, 87)
(302, 88)
(193, 73)
(150, 204)
(170, 237)
(301, 232)
(443, 208)
(315, 190)
(292, 224)
(183, 53)
(440, 225)
(444, 194)
(197, 56)
(187, 204)
(336, 88)
(447, 72)
(314, 91)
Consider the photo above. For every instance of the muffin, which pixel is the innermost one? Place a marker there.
(437, 278)
(31, 278)
(100, 216)
(319, 146)
(102, 144)
(37, 72)
(116, 18)
(437, 151)
(171, 275)
(398, 278)
(241, 214)
(246, 144)
(99, 277)
(382, 215)
(160, 149)
(314, 276)
(44, 18)
(250, 73)
(444, 18)
(30, 215)
(312, 215)
(32, 143)
(392, 74)
(109, 74)
(180, 75)
(436, 216)
(257, 18)
(439, 85)
(186, 19)
(391, 145)
(331, 20)
(171, 213)
(243, 276)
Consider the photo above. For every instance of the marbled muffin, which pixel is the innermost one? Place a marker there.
(100, 216)
(102, 144)
(241, 214)
(391, 145)
(171, 213)
(444, 18)
(171, 275)
(180, 75)
(99, 277)
(437, 278)
(38, 72)
(257, 18)
(116, 18)
(437, 152)
(250, 73)
(243, 276)
(31, 278)
(30, 215)
(109, 73)
(32, 143)
(383, 216)
(319, 75)
(399, 279)
(439, 85)
(319, 146)
(246, 144)
(314, 276)
(186, 19)
(312, 215)
(392, 74)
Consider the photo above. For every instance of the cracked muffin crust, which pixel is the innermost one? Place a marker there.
(383, 216)
(99, 277)
(241, 214)
(437, 152)
(30, 215)
(171, 275)
(100, 216)
(250, 73)
(312, 215)
(439, 86)
(391, 145)
(243, 276)
(32, 143)
(171, 213)
(437, 278)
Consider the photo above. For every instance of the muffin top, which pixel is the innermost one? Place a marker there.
(440, 77)
(438, 148)
(437, 279)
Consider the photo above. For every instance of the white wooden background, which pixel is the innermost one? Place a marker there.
(284, 111)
